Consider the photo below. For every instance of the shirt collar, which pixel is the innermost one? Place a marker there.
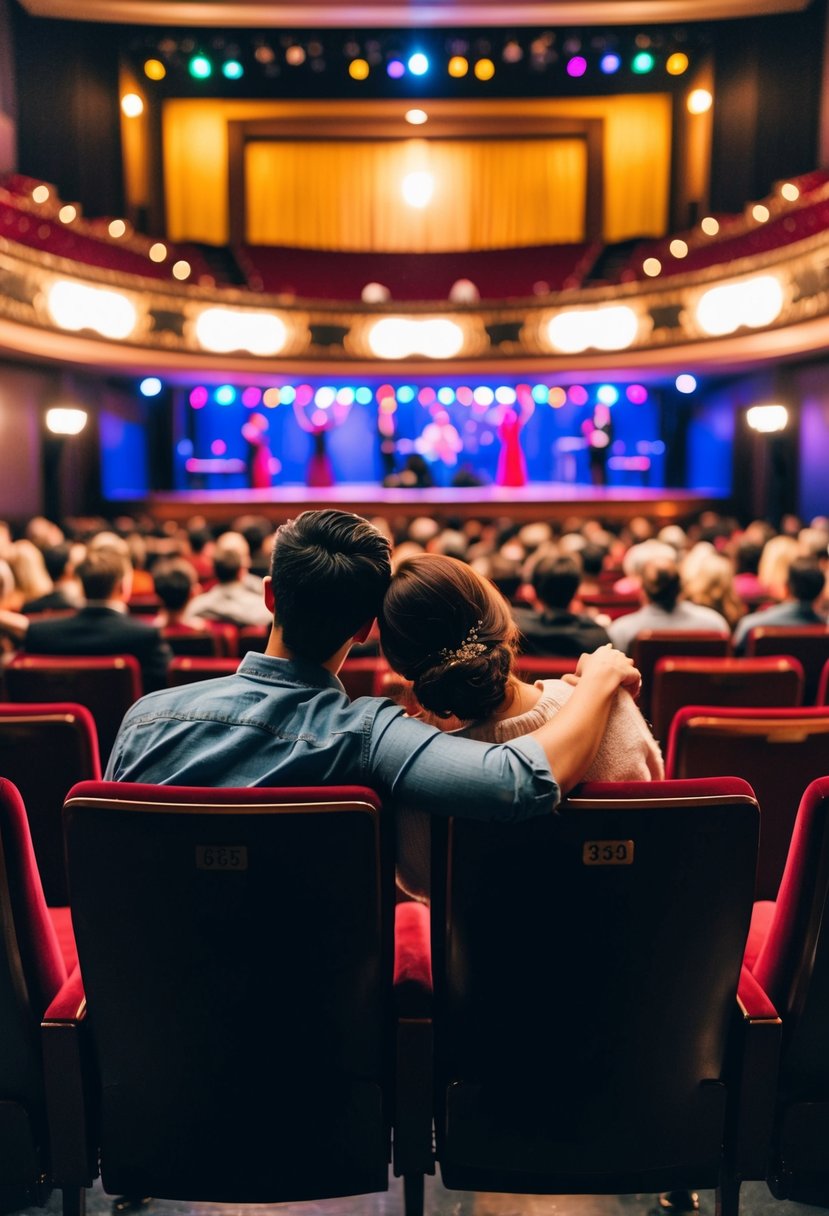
(300, 672)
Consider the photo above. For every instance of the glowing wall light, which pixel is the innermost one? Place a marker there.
(699, 101)
(612, 328)
(399, 337)
(132, 105)
(767, 418)
(228, 329)
(65, 420)
(751, 302)
(417, 188)
(74, 306)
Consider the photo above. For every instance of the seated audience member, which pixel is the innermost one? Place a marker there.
(551, 628)
(237, 595)
(805, 585)
(773, 569)
(592, 563)
(66, 592)
(663, 609)
(102, 626)
(746, 561)
(711, 584)
(174, 582)
(284, 718)
(447, 630)
(30, 574)
(634, 562)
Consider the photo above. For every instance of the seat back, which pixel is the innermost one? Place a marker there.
(253, 637)
(793, 967)
(538, 667)
(184, 641)
(236, 950)
(31, 972)
(45, 750)
(585, 969)
(611, 604)
(774, 680)
(807, 643)
(779, 751)
(187, 670)
(652, 645)
(106, 684)
(823, 685)
(363, 676)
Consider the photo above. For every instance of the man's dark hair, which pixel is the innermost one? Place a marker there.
(661, 584)
(556, 580)
(592, 559)
(227, 564)
(100, 572)
(56, 559)
(330, 571)
(173, 584)
(747, 557)
(805, 579)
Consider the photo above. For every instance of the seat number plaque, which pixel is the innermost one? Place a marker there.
(607, 853)
(221, 858)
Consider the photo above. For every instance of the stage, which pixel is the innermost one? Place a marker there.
(537, 500)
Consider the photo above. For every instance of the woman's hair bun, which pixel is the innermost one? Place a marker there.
(468, 689)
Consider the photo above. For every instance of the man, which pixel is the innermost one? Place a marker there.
(284, 717)
(237, 595)
(551, 628)
(102, 626)
(805, 585)
(663, 609)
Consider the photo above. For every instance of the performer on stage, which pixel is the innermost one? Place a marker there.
(260, 460)
(512, 466)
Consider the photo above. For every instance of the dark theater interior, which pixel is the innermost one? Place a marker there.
(474, 860)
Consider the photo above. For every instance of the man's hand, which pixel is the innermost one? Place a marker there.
(609, 664)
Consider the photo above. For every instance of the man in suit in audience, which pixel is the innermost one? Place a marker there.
(102, 626)
(551, 628)
(284, 718)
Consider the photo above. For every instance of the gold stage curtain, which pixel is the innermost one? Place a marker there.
(637, 150)
(347, 194)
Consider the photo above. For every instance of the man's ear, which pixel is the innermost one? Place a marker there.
(362, 633)
(268, 586)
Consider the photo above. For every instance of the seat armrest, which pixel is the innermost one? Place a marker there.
(757, 1058)
(413, 1106)
(69, 1075)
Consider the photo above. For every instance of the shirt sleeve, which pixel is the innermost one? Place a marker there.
(443, 774)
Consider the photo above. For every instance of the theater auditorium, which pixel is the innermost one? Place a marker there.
(405, 891)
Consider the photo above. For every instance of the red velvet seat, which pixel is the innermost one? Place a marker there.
(531, 667)
(363, 677)
(106, 684)
(205, 643)
(236, 949)
(652, 645)
(610, 604)
(807, 643)
(682, 681)
(32, 970)
(588, 1036)
(823, 685)
(779, 751)
(789, 955)
(45, 750)
(253, 637)
(186, 670)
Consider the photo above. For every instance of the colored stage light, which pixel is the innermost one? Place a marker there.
(158, 252)
(642, 63)
(652, 267)
(636, 394)
(686, 383)
(576, 66)
(464, 395)
(200, 67)
(446, 395)
(288, 394)
(198, 397)
(610, 63)
(150, 386)
(304, 395)
(324, 397)
(395, 68)
(767, 418)
(483, 395)
(679, 249)
(512, 52)
(427, 396)
(417, 189)
(539, 393)
(131, 105)
(358, 69)
(484, 69)
(218, 447)
(577, 394)
(608, 394)
(68, 213)
(505, 395)
(363, 395)
(185, 447)
(232, 69)
(416, 117)
(458, 66)
(295, 55)
(65, 420)
(710, 226)
(556, 397)
(40, 194)
(154, 69)
(251, 397)
(117, 228)
(272, 397)
(386, 390)
(345, 396)
(699, 101)
(677, 63)
(789, 190)
(319, 418)
(225, 395)
(418, 64)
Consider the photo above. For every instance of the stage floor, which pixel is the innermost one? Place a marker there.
(538, 500)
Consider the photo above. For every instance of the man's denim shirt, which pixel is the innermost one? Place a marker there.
(279, 722)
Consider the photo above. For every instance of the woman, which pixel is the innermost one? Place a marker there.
(448, 631)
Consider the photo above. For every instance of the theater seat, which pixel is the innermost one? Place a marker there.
(654, 644)
(788, 953)
(363, 676)
(807, 643)
(531, 667)
(236, 950)
(678, 682)
(779, 751)
(45, 749)
(32, 970)
(588, 1034)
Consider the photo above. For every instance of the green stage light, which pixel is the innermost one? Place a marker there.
(200, 67)
(642, 63)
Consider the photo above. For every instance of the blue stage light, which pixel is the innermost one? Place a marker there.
(225, 395)
(608, 394)
(150, 386)
(610, 63)
(446, 395)
(539, 394)
(418, 64)
(405, 394)
(364, 395)
(287, 394)
(686, 383)
(232, 69)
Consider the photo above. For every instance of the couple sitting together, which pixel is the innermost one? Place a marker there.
(284, 719)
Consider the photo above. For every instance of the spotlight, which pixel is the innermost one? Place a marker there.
(418, 189)
(679, 248)
(154, 69)
(358, 69)
(652, 267)
(117, 228)
(576, 66)
(150, 386)
(232, 69)
(458, 66)
(699, 101)
(68, 213)
(643, 63)
(181, 270)
(610, 63)
(484, 69)
(65, 420)
(607, 394)
(158, 252)
(225, 394)
(677, 63)
(418, 64)
(416, 117)
(200, 67)
(686, 383)
(767, 418)
(40, 194)
(131, 105)
(710, 226)
(295, 55)
(760, 213)
(789, 191)
(395, 68)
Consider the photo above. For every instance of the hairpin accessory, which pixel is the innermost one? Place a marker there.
(469, 648)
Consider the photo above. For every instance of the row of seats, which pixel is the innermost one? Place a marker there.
(596, 1005)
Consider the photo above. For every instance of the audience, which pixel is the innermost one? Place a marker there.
(447, 630)
(804, 590)
(237, 595)
(663, 608)
(550, 627)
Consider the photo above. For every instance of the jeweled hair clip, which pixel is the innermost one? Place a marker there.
(469, 648)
